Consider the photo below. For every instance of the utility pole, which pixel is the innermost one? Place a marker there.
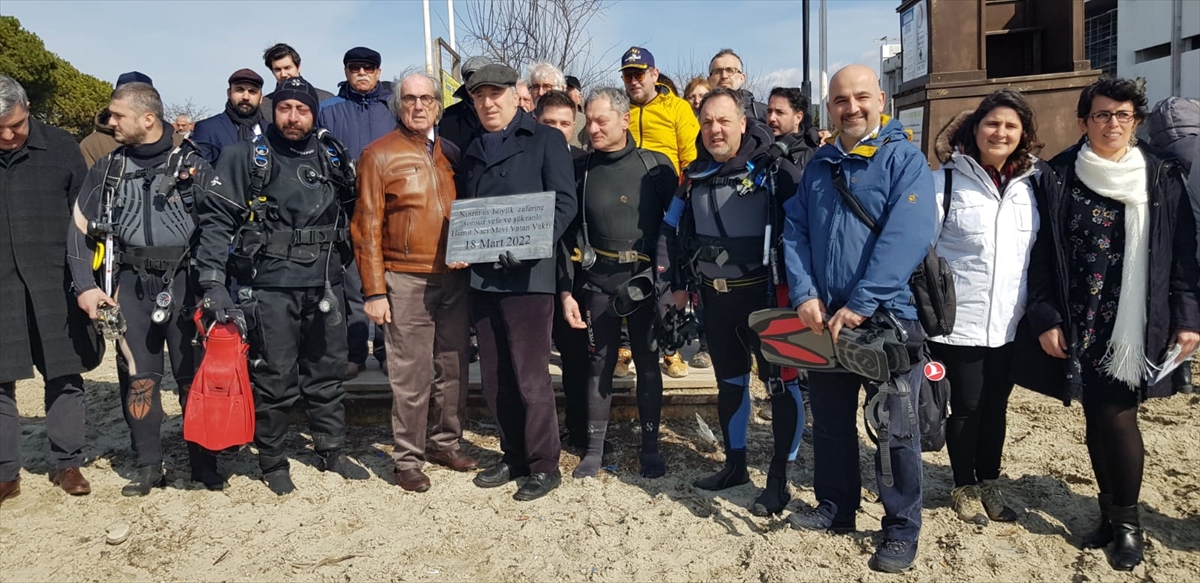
(822, 27)
(806, 85)
(1176, 47)
(428, 39)
(450, 23)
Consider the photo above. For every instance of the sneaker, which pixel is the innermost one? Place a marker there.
(701, 360)
(994, 502)
(966, 503)
(144, 479)
(674, 366)
(816, 519)
(624, 363)
(894, 556)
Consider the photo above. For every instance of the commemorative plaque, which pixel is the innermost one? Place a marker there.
(481, 229)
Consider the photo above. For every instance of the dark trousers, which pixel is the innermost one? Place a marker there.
(979, 391)
(358, 325)
(731, 343)
(574, 353)
(301, 356)
(606, 331)
(140, 357)
(837, 481)
(64, 425)
(514, 366)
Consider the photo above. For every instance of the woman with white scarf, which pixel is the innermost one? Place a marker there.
(1114, 284)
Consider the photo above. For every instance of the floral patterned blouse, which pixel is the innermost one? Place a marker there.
(1096, 238)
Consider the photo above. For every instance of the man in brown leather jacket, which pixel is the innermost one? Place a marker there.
(405, 187)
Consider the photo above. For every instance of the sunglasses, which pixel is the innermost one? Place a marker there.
(631, 74)
(356, 67)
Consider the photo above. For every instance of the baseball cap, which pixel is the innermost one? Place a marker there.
(637, 58)
(495, 74)
(573, 82)
(362, 55)
(246, 76)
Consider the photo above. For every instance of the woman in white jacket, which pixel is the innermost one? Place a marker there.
(989, 173)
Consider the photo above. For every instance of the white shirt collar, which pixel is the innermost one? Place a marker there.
(874, 133)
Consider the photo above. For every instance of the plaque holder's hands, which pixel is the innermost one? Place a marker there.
(458, 265)
(508, 262)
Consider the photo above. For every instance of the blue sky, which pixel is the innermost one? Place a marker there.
(190, 48)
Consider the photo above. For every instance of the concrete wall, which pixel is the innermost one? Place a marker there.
(1142, 24)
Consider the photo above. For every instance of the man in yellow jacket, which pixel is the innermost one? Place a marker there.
(659, 120)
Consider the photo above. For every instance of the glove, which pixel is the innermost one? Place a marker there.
(509, 262)
(217, 303)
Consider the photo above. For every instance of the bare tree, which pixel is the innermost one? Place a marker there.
(190, 108)
(522, 32)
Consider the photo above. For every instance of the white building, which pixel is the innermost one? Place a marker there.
(1145, 37)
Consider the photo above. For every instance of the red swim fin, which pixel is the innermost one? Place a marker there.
(220, 406)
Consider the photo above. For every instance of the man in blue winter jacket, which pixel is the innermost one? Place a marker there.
(358, 115)
(839, 274)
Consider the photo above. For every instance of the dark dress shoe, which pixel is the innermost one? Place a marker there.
(538, 485)
(10, 489)
(454, 459)
(71, 480)
(413, 480)
(497, 475)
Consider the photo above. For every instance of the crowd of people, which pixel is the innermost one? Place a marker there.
(318, 221)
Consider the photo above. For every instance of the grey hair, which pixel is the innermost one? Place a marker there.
(183, 116)
(547, 72)
(617, 98)
(12, 94)
(395, 101)
(143, 97)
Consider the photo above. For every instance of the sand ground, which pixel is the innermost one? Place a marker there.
(618, 527)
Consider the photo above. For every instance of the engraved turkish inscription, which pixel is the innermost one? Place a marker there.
(482, 229)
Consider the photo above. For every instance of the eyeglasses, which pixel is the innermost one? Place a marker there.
(1103, 117)
(631, 74)
(725, 72)
(426, 100)
(543, 87)
(364, 67)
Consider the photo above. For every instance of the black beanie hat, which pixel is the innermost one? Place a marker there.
(300, 90)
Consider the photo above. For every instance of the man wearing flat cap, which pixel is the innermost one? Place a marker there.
(241, 120)
(357, 116)
(512, 300)
(460, 123)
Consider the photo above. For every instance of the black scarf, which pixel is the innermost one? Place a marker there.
(245, 122)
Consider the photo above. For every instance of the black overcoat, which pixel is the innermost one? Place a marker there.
(535, 158)
(1174, 292)
(38, 186)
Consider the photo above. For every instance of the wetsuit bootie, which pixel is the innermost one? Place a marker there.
(1126, 550)
(335, 461)
(733, 474)
(589, 466)
(652, 462)
(773, 499)
(280, 482)
(144, 479)
(1099, 538)
(204, 467)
